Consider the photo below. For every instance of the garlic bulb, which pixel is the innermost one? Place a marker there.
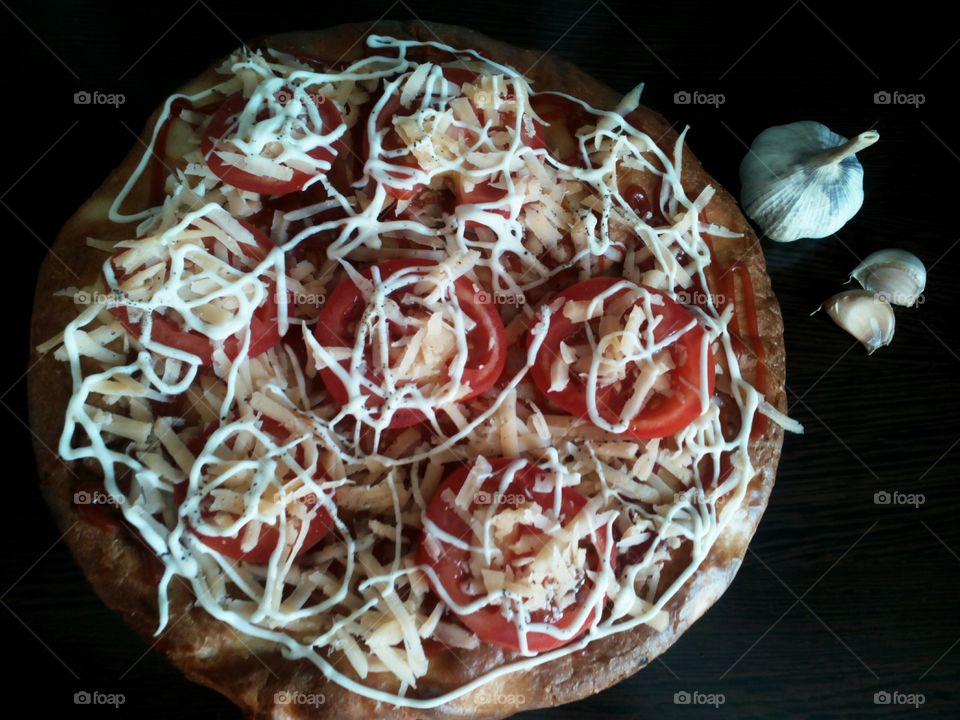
(864, 315)
(897, 275)
(802, 180)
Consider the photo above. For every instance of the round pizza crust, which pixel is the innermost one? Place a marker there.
(252, 673)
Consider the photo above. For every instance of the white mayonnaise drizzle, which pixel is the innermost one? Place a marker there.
(338, 597)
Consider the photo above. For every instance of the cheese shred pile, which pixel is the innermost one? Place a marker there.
(250, 444)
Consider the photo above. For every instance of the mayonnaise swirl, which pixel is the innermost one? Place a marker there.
(348, 597)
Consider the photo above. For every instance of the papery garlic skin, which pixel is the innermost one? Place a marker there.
(803, 180)
(866, 316)
(899, 276)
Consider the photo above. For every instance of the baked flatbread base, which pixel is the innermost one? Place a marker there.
(251, 672)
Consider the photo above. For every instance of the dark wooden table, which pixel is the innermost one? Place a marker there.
(839, 598)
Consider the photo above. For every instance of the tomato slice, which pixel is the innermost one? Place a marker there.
(313, 247)
(232, 546)
(563, 117)
(346, 306)
(393, 142)
(264, 333)
(664, 414)
(452, 565)
(222, 129)
(484, 191)
(644, 204)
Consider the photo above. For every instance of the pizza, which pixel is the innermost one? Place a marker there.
(407, 373)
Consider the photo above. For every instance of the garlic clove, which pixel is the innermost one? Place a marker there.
(864, 315)
(897, 275)
(803, 180)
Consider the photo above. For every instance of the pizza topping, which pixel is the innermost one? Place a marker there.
(519, 557)
(405, 339)
(448, 122)
(194, 289)
(251, 487)
(280, 389)
(627, 357)
(272, 144)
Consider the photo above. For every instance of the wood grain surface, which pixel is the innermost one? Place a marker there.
(840, 598)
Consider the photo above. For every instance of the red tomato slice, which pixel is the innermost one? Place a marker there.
(645, 205)
(344, 308)
(221, 129)
(264, 333)
(231, 546)
(563, 117)
(484, 192)
(664, 414)
(453, 564)
(313, 247)
(392, 141)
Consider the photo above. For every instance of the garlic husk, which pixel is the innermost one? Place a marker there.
(899, 276)
(866, 316)
(803, 180)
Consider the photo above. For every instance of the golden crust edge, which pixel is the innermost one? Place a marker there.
(113, 565)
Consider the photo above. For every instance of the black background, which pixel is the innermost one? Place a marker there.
(839, 598)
